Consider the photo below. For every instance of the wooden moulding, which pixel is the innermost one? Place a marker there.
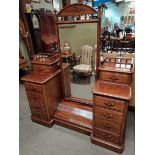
(106, 144)
(76, 10)
(75, 116)
(72, 126)
(43, 122)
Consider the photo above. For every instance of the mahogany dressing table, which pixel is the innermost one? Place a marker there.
(49, 93)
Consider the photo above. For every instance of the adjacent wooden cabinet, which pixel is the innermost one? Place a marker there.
(43, 94)
(112, 94)
(43, 87)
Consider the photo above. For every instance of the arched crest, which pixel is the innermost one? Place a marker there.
(76, 10)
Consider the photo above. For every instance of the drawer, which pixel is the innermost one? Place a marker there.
(107, 136)
(108, 125)
(108, 115)
(33, 87)
(110, 103)
(39, 114)
(55, 67)
(115, 77)
(43, 69)
(35, 98)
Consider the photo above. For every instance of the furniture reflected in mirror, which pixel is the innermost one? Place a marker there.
(85, 66)
(77, 35)
(48, 30)
(103, 115)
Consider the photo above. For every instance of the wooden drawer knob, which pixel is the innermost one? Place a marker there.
(107, 115)
(41, 69)
(109, 104)
(35, 98)
(33, 88)
(106, 125)
(113, 78)
(106, 136)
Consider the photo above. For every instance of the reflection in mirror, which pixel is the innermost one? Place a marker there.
(78, 43)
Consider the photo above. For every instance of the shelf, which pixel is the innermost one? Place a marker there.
(75, 116)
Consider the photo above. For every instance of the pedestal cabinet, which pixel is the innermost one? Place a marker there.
(111, 95)
(43, 87)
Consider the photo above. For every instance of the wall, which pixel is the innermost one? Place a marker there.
(113, 13)
(23, 49)
(81, 34)
(44, 4)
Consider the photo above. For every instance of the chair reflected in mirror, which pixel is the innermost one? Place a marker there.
(84, 69)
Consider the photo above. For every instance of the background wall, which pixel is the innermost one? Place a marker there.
(81, 34)
(44, 4)
(113, 13)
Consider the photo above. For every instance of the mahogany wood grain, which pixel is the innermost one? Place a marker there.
(122, 78)
(39, 78)
(79, 100)
(107, 135)
(67, 83)
(107, 144)
(107, 125)
(76, 10)
(33, 87)
(116, 91)
(110, 103)
(108, 115)
(74, 113)
(23, 64)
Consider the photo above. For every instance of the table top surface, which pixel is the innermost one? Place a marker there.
(113, 90)
(67, 55)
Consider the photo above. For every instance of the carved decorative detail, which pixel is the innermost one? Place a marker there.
(76, 10)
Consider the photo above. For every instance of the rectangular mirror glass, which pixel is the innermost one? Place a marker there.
(78, 48)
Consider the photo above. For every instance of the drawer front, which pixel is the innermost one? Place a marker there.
(55, 67)
(107, 136)
(33, 87)
(43, 69)
(110, 103)
(35, 99)
(108, 125)
(115, 77)
(108, 115)
(39, 114)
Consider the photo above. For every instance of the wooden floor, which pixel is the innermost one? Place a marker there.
(75, 116)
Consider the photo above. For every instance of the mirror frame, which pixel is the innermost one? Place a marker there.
(77, 10)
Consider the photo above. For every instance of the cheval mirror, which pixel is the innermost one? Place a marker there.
(78, 31)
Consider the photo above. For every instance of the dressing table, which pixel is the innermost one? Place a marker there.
(49, 94)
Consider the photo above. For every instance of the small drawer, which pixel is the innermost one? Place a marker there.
(33, 87)
(55, 67)
(115, 77)
(107, 136)
(108, 115)
(41, 68)
(39, 114)
(37, 106)
(110, 103)
(35, 98)
(108, 125)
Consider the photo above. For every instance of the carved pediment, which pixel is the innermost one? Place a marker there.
(76, 10)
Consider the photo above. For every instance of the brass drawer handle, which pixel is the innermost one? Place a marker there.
(106, 125)
(109, 104)
(106, 136)
(107, 116)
